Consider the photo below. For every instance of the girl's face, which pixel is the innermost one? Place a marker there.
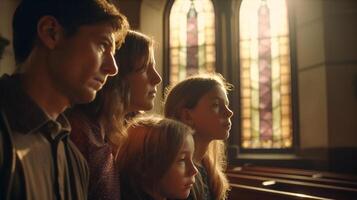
(143, 82)
(211, 118)
(179, 179)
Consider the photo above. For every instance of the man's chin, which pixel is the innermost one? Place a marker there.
(84, 97)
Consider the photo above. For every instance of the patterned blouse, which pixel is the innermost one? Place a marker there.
(104, 181)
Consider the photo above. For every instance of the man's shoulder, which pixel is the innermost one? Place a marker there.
(77, 158)
(6, 82)
(80, 170)
(4, 79)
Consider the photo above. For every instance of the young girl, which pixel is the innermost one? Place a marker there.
(201, 102)
(155, 161)
(97, 127)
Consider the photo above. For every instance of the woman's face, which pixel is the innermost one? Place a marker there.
(211, 117)
(179, 179)
(143, 82)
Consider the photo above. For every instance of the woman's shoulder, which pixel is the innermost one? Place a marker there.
(84, 134)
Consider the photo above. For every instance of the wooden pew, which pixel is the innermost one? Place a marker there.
(300, 175)
(311, 183)
(305, 173)
(244, 192)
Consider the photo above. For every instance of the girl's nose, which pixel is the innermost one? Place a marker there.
(193, 169)
(155, 76)
(229, 112)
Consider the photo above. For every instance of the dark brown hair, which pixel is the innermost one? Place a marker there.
(71, 14)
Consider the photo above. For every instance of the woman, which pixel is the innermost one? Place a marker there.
(201, 102)
(97, 128)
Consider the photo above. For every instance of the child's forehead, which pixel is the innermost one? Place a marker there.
(216, 93)
(188, 144)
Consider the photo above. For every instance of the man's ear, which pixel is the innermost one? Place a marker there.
(186, 117)
(49, 31)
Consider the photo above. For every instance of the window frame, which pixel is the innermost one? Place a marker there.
(166, 45)
(228, 64)
(236, 129)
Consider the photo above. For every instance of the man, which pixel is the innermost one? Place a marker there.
(64, 50)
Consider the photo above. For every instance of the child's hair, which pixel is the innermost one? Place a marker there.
(71, 14)
(186, 94)
(111, 103)
(150, 148)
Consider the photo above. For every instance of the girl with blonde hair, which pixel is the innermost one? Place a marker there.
(201, 102)
(155, 161)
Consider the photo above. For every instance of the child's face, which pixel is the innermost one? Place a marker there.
(211, 118)
(179, 179)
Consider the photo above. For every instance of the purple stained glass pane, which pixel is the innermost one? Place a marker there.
(192, 41)
(264, 62)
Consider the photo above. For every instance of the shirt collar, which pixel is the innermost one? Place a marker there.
(23, 114)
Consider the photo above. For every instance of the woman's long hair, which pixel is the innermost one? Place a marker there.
(186, 94)
(109, 109)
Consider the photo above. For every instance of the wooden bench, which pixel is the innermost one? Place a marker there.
(338, 180)
(244, 192)
(261, 180)
(305, 173)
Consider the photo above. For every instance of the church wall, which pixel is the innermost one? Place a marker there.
(311, 74)
(7, 8)
(341, 67)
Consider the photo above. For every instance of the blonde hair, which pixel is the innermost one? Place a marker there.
(150, 148)
(186, 94)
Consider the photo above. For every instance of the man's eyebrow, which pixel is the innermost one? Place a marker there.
(110, 40)
(106, 37)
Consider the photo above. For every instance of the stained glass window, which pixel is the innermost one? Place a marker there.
(191, 38)
(265, 75)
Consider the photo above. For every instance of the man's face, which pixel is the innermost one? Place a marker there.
(81, 63)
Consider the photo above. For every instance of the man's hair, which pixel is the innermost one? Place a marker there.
(70, 14)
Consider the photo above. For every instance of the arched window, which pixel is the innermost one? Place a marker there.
(191, 39)
(265, 75)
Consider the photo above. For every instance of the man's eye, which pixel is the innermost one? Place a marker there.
(104, 46)
(215, 104)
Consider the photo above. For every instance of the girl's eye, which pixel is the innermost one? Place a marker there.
(102, 47)
(181, 159)
(215, 106)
